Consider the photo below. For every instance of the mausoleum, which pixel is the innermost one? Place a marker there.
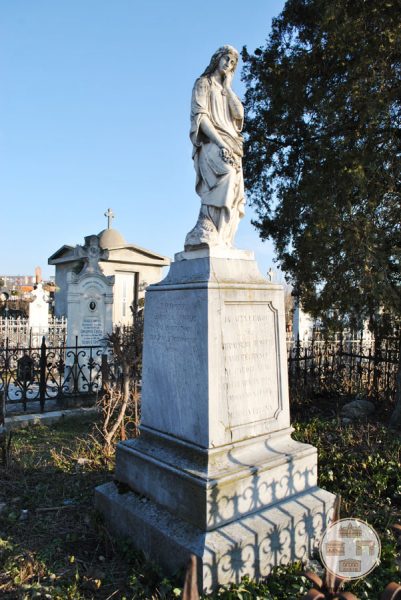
(133, 269)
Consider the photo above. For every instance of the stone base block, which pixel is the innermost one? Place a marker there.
(251, 545)
(212, 487)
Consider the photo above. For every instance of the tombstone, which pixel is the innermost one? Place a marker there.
(38, 319)
(302, 323)
(215, 472)
(89, 316)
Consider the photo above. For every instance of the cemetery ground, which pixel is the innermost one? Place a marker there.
(54, 545)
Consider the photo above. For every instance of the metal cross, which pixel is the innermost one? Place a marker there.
(110, 216)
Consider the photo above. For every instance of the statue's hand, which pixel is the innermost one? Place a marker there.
(225, 153)
(227, 80)
(228, 157)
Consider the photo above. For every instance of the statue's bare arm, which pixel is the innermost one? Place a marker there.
(210, 132)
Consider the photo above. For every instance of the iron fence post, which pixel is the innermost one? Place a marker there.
(76, 368)
(42, 375)
(2, 408)
(104, 370)
(297, 360)
(7, 373)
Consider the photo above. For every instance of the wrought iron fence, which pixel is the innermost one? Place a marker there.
(44, 377)
(344, 367)
(32, 378)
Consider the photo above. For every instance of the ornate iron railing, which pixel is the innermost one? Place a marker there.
(34, 377)
(53, 373)
(344, 366)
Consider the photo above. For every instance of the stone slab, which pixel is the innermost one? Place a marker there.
(239, 271)
(209, 489)
(251, 546)
(90, 305)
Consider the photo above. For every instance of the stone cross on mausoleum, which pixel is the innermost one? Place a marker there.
(110, 216)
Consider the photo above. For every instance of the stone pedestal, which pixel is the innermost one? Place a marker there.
(215, 471)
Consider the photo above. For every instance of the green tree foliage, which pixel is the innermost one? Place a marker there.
(323, 143)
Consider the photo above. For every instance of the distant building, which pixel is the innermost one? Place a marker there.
(15, 282)
(23, 285)
(133, 269)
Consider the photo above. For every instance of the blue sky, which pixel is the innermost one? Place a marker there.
(94, 113)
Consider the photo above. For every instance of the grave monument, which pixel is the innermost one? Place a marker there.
(215, 472)
(38, 314)
(89, 319)
(89, 299)
(132, 267)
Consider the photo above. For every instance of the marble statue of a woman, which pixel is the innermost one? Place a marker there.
(216, 123)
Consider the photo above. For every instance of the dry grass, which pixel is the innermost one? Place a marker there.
(60, 549)
(60, 546)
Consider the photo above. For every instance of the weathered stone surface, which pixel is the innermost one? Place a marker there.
(252, 545)
(215, 471)
(221, 485)
(214, 367)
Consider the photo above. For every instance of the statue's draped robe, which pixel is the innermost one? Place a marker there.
(218, 183)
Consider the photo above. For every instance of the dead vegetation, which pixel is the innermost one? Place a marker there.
(119, 401)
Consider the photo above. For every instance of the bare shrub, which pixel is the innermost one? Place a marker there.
(120, 399)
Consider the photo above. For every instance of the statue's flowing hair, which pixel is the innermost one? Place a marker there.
(214, 61)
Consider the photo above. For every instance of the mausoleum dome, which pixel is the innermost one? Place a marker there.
(110, 238)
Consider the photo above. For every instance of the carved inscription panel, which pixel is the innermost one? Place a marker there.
(174, 382)
(251, 361)
(173, 324)
(91, 331)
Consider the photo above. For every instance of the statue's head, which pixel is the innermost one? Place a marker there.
(214, 61)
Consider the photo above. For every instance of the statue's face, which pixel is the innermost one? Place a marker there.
(226, 63)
